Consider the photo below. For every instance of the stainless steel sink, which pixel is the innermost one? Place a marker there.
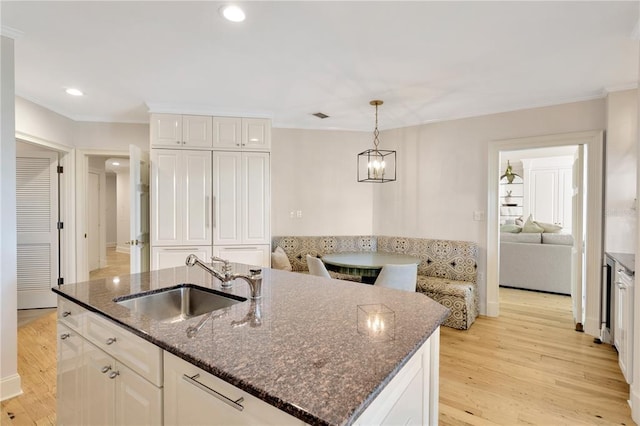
(178, 303)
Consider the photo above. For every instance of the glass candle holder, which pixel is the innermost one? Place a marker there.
(376, 321)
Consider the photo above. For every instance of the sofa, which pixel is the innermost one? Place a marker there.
(536, 261)
(447, 272)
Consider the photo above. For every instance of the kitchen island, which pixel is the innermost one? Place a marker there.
(305, 348)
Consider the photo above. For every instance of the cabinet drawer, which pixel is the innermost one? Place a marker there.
(136, 353)
(71, 314)
(201, 398)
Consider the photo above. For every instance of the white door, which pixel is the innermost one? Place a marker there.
(37, 231)
(227, 213)
(577, 253)
(93, 199)
(139, 204)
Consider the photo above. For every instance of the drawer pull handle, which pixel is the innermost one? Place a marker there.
(110, 340)
(235, 404)
(114, 374)
(66, 314)
(65, 336)
(104, 369)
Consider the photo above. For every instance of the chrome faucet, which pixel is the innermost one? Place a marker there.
(226, 277)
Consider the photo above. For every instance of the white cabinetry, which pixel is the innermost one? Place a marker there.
(170, 257)
(185, 131)
(252, 134)
(180, 197)
(548, 190)
(623, 321)
(241, 192)
(195, 397)
(106, 375)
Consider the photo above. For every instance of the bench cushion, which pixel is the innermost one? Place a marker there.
(461, 297)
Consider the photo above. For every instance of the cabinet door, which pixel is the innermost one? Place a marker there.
(250, 255)
(166, 130)
(99, 407)
(196, 131)
(70, 381)
(138, 402)
(227, 198)
(194, 402)
(227, 132)
(166, 197)
(255, 198)
(196, 204)
(256, 134)
(171, 257)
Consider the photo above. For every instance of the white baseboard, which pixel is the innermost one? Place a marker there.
(592, 326)
(634, 401)
(111, 245)
(493, 309)
(10, 387)
(123, 249)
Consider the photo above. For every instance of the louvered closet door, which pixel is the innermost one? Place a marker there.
(37, 216)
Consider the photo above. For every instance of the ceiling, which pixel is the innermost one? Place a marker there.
(428, 61)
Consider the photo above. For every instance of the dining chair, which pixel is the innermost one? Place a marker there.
(316, 267)
(401, 277)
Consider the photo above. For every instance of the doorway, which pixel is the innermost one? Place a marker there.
(537, 235)
(593, 145)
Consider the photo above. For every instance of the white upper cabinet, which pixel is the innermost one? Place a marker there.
(256, 134)
(227, 132)
(180, 131)
(242, 134)
(180, 197)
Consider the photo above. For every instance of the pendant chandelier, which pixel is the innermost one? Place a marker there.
(376, 165)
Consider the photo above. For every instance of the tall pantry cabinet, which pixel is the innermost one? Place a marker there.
(213, 198)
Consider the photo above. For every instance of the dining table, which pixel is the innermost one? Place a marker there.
(367, 265)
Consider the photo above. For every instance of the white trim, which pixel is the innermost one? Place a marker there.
(12, 33)
(10, 387)
(81, 180)
(593, 140)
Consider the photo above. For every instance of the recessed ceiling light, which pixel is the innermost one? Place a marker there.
(115, 163)
(74, 92)
(232, 13)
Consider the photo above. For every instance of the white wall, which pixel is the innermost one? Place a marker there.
(111, 209)
(620, 190)
(314, 172)
(9, 379)
(122, 216)
(111, 136)
(443, 171)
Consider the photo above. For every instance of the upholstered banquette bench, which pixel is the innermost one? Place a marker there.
(447, 272)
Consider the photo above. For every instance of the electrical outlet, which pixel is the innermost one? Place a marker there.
(292, 214)
(478, 215)
(299, 214)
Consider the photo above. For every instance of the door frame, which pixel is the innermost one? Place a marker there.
(67, 204)
(594, 144)
(82, 179)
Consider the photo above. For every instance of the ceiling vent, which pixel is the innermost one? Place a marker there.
(320, 115)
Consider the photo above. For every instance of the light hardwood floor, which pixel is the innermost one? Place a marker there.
(527, 367)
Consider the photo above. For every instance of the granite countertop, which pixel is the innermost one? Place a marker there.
(305, 357)
(627, 260)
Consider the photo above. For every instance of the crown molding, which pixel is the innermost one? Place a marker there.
(10, 32)
(166, 108)
(619, 88)
(635, 33)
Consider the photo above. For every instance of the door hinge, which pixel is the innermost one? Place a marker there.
(60, 169)
(60, 281)
(60, 225)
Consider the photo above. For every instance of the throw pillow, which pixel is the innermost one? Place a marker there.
(279, 259)
(510, 228)
(549, 227)
(531, 227)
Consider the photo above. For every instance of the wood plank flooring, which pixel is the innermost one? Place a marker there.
(527, 367)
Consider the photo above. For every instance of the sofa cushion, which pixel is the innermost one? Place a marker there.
(531, 227)
(454, 260)
(549, 227)
(561, 239)
(279, 260)
(507, 237)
